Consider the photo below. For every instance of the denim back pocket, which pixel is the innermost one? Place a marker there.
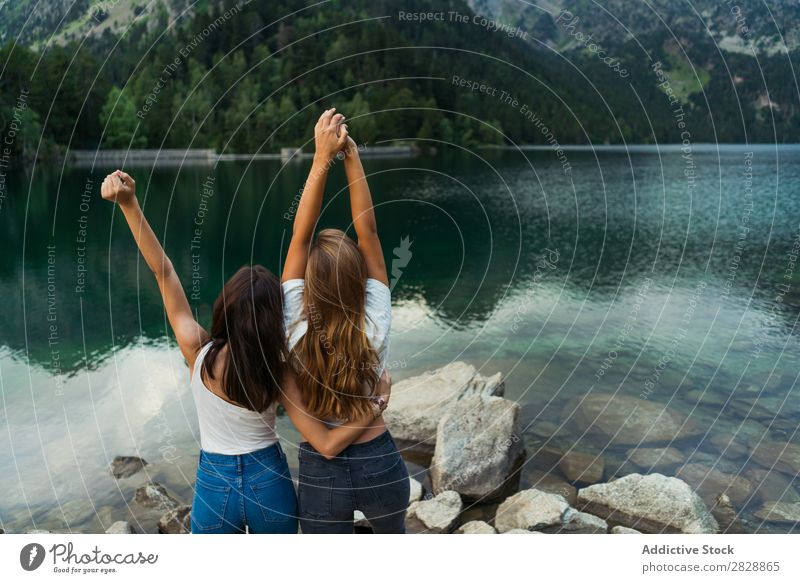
(315, 496)
(274, 493)
(209, 506)
(390, 485)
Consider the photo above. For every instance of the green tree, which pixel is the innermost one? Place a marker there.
(118, 118)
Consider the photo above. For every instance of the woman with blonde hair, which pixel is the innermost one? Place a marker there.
(337, 310)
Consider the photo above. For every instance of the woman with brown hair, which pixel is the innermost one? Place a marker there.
(337, 310)
(238, 375)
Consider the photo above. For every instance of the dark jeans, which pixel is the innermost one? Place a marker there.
(370, 477)
(253, 490)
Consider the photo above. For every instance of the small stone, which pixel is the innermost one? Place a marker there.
(437, 515)
(582, 468)
(125, 466)
(176, 521)
(476, 527)
(623, 530)
(781, 512)
(415, 491)
(530, 510)
(121, 527)
(154, 495)
(360, 520)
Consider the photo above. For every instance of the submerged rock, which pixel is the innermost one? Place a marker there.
(626, 420)
(725, 514)
(548, 482)
(437, 515)
(530, 510)
(782, 456)
(478, 447)
(121, 527)
(476, 527)
(772, 486)
(154, 495)
(652, 503)
(655, 458)
(582, 468)
(176, 521)
(782, 512)
(710, 483)
(125, 466)
(419, 403)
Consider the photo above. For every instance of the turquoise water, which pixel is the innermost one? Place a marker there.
(631, 273)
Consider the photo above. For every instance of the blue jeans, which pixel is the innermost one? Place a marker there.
(252, 490)
(370, 477)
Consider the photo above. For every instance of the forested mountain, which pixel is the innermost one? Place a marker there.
(248, 77)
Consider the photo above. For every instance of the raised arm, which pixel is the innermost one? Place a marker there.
(329, 442)
(120, 188)
(329, 138)
(364, 214)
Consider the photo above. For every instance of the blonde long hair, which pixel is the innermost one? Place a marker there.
(334, 360)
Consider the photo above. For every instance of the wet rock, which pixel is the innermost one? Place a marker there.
(710, 483)
(725, 514)
(653, 503)
(437, 515)
(360, 520)
(476, 527)
(772, 486)
(176, 521)
(530, 510)
(543, 429)
(419, 403)
(655, 458)
(478, 447)
(626, 420)
(548, 482)
(623, 530)
(781, 512)
(121, 527)
(125, 466)
(782, 456)
(154, 495)
(582, 468)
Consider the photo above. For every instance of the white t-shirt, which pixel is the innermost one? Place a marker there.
(378, 311)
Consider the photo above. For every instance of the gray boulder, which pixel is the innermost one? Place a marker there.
(436, 515)
(530, 510)
(176, 521)
(154, 495)
(653, 503)
(419, 403)
(478, 447)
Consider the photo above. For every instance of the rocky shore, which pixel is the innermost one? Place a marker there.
(612, 464)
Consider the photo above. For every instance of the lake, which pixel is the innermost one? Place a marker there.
(661, 274)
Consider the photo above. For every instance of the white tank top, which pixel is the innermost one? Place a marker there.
(227, 428)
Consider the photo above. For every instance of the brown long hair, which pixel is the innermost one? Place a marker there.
(334, 360)
(248, 318)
